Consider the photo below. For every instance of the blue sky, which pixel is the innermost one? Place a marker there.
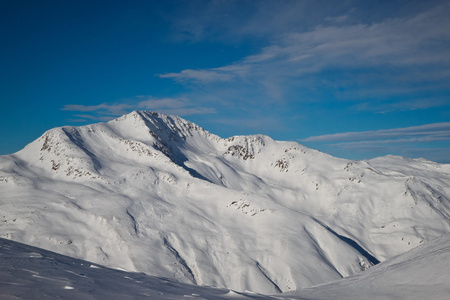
(355, 79)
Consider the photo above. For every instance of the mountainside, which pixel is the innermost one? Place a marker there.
(157, 194)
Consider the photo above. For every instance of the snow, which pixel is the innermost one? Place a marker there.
(157, 194)
(422, 273)
(27, 272)
(23, 275)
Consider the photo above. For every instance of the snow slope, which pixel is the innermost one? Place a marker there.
(157, 194)
(421, 273)
(32, 273)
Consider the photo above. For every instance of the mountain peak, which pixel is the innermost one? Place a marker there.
(158, 123)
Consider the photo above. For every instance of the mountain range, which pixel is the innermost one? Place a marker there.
(157, 194)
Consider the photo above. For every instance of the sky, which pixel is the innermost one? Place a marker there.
(354, 79)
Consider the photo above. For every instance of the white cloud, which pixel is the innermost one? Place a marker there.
(256, 125)
(424, 133)
(416, 141)
(232, 21)
(172, 106)
(402, 105)
(204, 76)
(186, 111)
(85, 117)
(393, 41)
(105, 109)
(162, 103)
(410, 48)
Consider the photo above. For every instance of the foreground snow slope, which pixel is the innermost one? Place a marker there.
(32, 273)
(28, 272)
(157, 194)
(422, 273)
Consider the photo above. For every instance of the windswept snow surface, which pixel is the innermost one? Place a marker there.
(421, 273)
(157, 194)
(32, 273)
(27, 272)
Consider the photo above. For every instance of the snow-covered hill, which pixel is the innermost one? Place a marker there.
(157, 194)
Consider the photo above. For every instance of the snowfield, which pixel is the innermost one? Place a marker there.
(157, 194)
(32, 273)
(422, 273)
(27, 272)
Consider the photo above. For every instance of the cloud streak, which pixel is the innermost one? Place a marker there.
(424, 133)
(104, 109)
(402, 141)
(105, 112)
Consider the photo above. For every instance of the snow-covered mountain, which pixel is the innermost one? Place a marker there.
(157, 194)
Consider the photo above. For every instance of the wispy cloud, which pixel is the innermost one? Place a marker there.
(402, 141)
(105, 112)
(424, 133)
(203, 76)
(402, 105)
(85, 117)
(397, 52)
(104, 109)
(174, 106)
(234, 20)
(257, 125)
